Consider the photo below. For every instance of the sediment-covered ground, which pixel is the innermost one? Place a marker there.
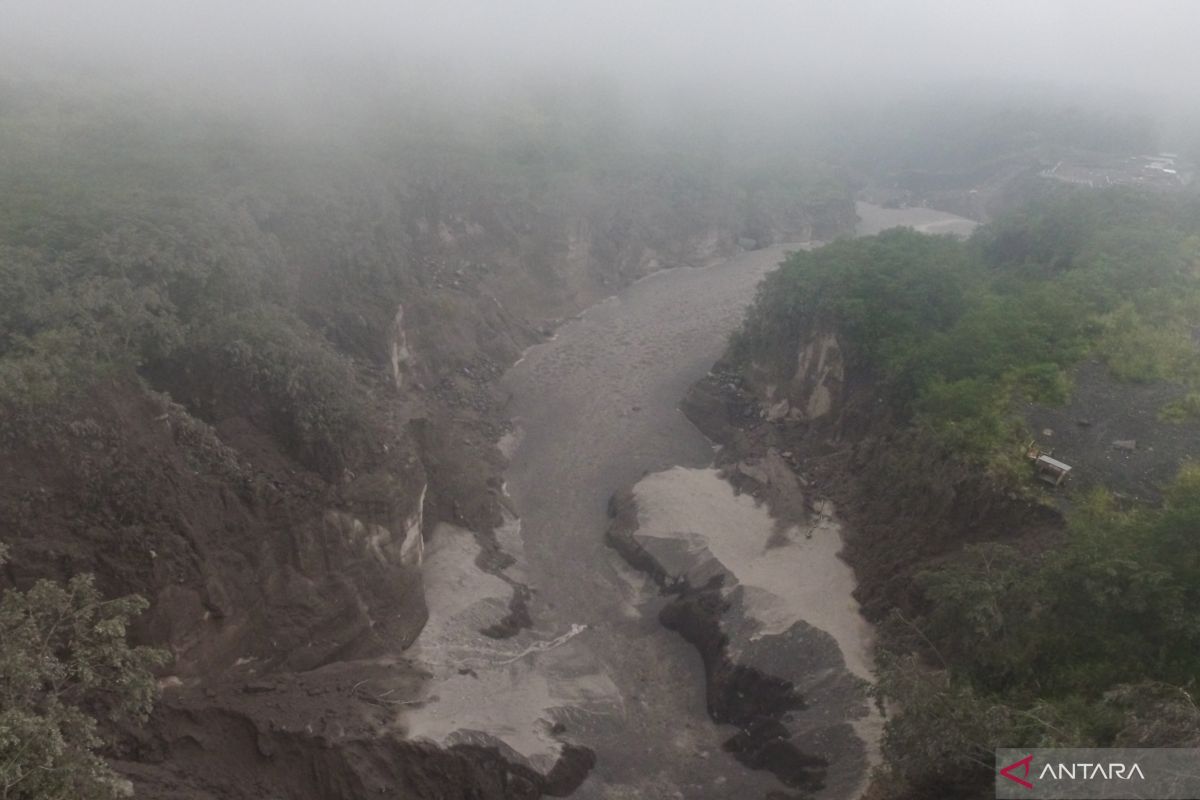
(595, 412)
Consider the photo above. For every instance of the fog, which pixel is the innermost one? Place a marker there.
(475, 390)
(828, 78)
(765, 48)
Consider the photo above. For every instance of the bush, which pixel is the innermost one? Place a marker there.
(1094, 643)
(66, 665)
(312, 388)
(1185, 409)
(1140, 350)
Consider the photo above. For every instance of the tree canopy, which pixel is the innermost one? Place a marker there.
(66, 667)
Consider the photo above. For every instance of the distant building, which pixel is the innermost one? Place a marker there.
(1164, 171)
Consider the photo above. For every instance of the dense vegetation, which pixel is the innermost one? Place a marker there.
(124, 248)
(1095, 640)
(151, 238)
(960, 331)
(146, 234)
(65, 665)
(1096, 644)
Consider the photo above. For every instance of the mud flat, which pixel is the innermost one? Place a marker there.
(489, 686)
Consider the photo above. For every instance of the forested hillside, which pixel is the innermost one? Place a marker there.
(248, 351)
(1012, 613)
(958, 332)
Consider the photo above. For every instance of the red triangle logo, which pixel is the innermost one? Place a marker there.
(1023, 763)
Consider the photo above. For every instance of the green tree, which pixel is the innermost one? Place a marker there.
(65, 665)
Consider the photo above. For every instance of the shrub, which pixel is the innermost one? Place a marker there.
(66, 665)
(311, 387)
(1140, 350)
(1185, 409)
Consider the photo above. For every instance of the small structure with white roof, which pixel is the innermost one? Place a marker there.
(1051, 470)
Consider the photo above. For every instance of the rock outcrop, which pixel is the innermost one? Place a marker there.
(767, 605)
(906, 501)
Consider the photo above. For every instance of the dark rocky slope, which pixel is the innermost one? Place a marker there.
(788, 693)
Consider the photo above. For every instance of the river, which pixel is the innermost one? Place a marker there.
(595, 410)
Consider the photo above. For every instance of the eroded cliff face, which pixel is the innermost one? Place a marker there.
(245, 558)
(285, 577)
(755, 585)
(749, 554)
(907, 501)
(810, 387)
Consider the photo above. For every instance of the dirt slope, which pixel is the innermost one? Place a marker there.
(287, 582)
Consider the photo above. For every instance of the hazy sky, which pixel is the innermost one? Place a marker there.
(1148, 44)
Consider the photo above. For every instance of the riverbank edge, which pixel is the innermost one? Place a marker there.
(905, 504)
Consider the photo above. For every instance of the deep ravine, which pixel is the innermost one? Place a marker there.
(594, 411)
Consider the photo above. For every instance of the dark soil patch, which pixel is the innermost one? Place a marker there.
(1103, 411)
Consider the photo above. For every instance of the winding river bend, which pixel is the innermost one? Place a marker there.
(595, 410)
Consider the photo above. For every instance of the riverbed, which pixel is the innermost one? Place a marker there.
(595, 411)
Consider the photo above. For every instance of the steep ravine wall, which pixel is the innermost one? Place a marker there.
(280, 577)
(784, 687)
(908, 503)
